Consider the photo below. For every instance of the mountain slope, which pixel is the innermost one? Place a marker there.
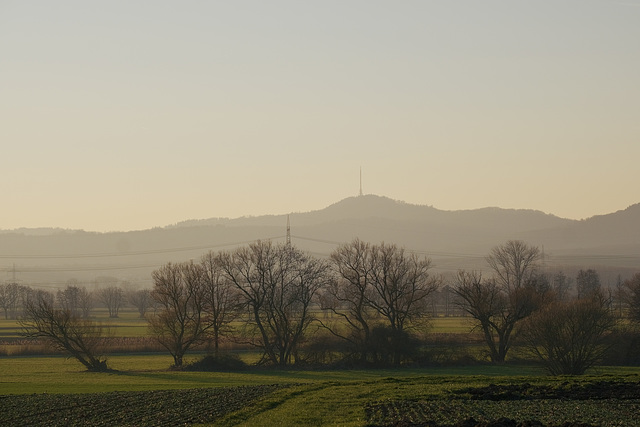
(455, 239)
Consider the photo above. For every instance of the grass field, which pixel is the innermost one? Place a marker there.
(134, 329)
(130, 324)
(25, 375)
(344, 397)
(141, 390)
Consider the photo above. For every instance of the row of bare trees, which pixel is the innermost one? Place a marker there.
(271, 287)
(276, 292)
(77, 299)
(373, 298)
(567, 335)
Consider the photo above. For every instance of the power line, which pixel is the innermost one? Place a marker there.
(134, 253)
(88, 268)
(445, 260)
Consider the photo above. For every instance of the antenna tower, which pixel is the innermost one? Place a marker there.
(360, 180)
(288, 232)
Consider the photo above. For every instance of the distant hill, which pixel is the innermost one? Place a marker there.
(453, 239)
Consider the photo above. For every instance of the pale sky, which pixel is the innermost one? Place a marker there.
(124, 115)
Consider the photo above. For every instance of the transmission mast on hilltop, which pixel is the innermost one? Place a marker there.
(288, 232)
(360, 181)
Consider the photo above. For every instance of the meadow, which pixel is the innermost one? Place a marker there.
(56, 391)
(142, 390)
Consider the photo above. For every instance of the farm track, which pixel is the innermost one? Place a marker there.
(147, 408)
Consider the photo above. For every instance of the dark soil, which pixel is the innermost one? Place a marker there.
(146, 408)
(565, 390)
(401, 413)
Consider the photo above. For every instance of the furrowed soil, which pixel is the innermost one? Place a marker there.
(568, 404)
(148, 408)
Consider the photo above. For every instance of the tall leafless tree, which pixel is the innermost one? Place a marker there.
(85, 301)
(179, 324)
(221, 299)
(499, 304)
(69, 298)
(75, 298)
(488, 304)
(633, 296)
(9, 298)
(277, 284)
(401, 286)
(587, 282)
(513, 263)
(65, 330)
(381, 288)
(113, 298)
(347, 296)
(141, 300)
(561, 285)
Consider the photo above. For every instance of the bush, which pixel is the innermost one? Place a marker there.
(325, 349)
(570, 337)
(390, 346)
(447, 349)
(623, 348)
(224, 362)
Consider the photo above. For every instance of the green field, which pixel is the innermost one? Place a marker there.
(129, 324)
(142, 390)
(25, 375)
(287, 397)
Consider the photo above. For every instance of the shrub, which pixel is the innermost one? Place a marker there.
(623, 347)
(569, 337)
(222, 362)
(389, 346)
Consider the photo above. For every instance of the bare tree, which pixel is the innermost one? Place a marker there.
(568, 336)
(400, 287)
(9, 297)
(65, 330)
(587, 282)
(24, 296)
(378, 290)
(499, 304)
(69, 298)
(620, 296)
(633, 296)
(113, 298)
(487, 303)
(513, 263)
(85, 301)
(221, 299)
(179, 323)
(561, 285)
(347, 296)
(141, 300)
(400, 284)
(277, 284)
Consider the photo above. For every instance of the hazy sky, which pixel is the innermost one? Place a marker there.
(121, 115)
